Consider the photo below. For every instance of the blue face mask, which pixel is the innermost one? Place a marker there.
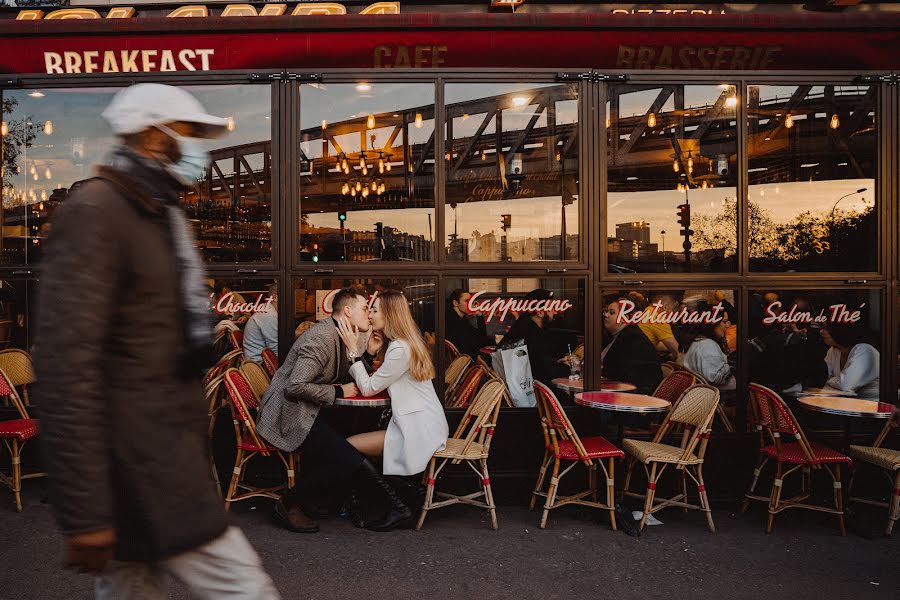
(193, 162)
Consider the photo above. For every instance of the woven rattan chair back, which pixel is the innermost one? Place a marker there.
(695, 411)
(578, 352)
(481, 415)
(17, 366)
(8, 390)
(555, 421)
(256, 376)
(456, 369)
(303, 328)
(674, 385)
(466, 389)
(243, 399)
(269, 361)
(451, 348)
(777, 419)
(487, 367)
(237, 340)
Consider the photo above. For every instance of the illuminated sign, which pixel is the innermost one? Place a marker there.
(490, 308)
(655, 314)
(834, 314)
(200, 10)
(128, 61)
(227, 306)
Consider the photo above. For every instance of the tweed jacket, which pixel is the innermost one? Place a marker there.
(302, 385)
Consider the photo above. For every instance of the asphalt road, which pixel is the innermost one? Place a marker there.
(456, 555)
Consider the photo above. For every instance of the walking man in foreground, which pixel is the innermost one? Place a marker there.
(123, 336)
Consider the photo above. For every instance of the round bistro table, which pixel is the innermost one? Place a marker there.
(577, 385)
(852, 408)
(378, 400)
(623, 403)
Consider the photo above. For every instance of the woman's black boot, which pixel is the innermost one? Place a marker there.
(398, 511)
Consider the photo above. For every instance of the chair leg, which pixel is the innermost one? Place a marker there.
(542, 474)
(704, 499)
(629, 468)
(726, 422)
(759, 466)
(235, 478)
(429, 494)
(894, 512)
(775, 498)
(839, 498)
(551, 493)
(592, 480)
(291, 475)
(488, 493)
(611, 492)
(17, 473)
(684, 489)
(648, 501)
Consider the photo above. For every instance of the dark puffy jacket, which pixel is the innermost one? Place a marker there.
(124, 429)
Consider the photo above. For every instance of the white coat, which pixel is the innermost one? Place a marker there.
(418, 427)
(860, 373)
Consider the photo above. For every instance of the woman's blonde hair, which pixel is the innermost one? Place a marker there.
(399, 325)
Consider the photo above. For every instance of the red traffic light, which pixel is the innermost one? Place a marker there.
(315, 246)
(684, 215)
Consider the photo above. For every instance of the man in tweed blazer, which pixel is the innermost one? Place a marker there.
(310, 378)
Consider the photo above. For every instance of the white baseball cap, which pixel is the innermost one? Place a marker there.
(144, 105)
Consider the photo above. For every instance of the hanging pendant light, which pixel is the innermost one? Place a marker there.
(835, 121)
(789, 121)
(358, 186)
(370, 122)
(675, 165)
(48, 127)
(418, 121)
(4, 129)
(651, 120)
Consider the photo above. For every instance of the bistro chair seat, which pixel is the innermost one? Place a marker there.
(889, 460)
(695, 411)
(794, 454)
(15, 433)
(251, 446)
(594, 447)
(459, 449)
(775, 418)
(470, 444)
(646, 452)
(564, 449)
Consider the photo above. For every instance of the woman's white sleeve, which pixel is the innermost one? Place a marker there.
(861, 369)
(396, 363)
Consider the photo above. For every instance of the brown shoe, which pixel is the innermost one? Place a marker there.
(294, 519)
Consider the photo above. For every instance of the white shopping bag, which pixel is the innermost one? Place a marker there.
(513, 366)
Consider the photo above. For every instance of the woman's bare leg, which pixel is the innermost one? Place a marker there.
(370, 443)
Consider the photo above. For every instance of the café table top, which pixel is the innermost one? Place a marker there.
(577, 385)
(622, 402)
(848, 407)
(379, 399)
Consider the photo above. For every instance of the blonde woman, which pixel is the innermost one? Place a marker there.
(418, 427)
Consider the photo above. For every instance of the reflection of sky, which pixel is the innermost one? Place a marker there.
(638, 103)
(783, 201)
(81, 138)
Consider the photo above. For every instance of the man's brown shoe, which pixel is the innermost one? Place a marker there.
(294, 519)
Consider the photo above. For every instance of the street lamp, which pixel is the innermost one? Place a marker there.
(831, 217)
(663, 234)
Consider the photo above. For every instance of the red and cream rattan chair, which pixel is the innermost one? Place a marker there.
(236, 339)
(15, 434)
(465, 391)
(17, 366)
(777, 420)
(562, 445)
(674, 385)
(695, 411)
(889, 460)
(303, 328)
(269, 361)
(720, 410)
(451, 348)
(471, 444)
(249, 443)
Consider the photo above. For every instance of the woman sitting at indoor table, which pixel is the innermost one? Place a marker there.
(704, 356)
(853, 363)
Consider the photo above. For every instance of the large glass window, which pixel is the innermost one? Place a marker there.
(801, 339)
(512, 172)
(245, 314)
(671, 193)
(54, 138)
(813, 159)
(367, 172)
(548, 313)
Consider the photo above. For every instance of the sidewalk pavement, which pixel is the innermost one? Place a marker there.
(457, 556)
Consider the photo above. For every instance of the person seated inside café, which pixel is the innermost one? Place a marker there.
(544, 351)
(660, 334)
(704, 355)
(852, 361)
(467, 338)
(628, 355)
(261, 330)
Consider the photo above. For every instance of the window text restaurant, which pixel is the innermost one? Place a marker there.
(721, 178)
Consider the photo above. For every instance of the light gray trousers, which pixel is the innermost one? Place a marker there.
(226, 568)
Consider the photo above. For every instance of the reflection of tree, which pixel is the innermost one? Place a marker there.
(811, 240)
(19, 136)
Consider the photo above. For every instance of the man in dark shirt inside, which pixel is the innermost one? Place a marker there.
(544, 355)
(465, 336)
(629, 356)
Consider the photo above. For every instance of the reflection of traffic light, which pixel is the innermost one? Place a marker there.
(342, 216)
(315, 248)
(684, 218)
(505, 221)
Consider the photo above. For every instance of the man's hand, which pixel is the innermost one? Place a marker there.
(376, 341)
(89, 552)
(349, 390)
